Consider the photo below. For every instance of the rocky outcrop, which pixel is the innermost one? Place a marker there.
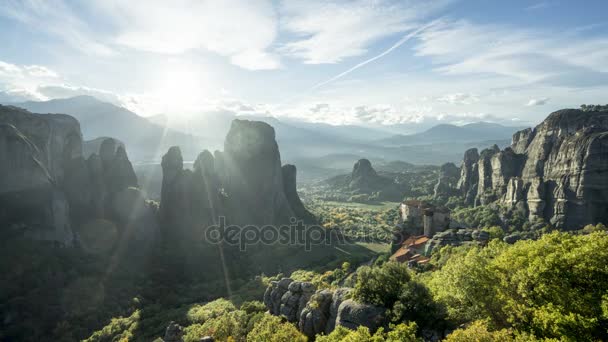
(469, 176)
(319, 312)
(447, 181)
(315, 317)
(364, 178)
(352, 314)
(289, 185)
(253, 176)
(245, 184)
(35, 151)
(558, 171)
(174, 333)
(294, 300)
(47, 186)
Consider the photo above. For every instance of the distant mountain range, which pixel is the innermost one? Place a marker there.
(308, 144)
(144, 140)
(446, 133)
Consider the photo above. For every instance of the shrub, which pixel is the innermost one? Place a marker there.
(201, 313)
(271, 329)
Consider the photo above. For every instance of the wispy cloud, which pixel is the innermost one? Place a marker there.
(459, 98)
(331, 31)
(238, 29)
(538, 102)
(529, 56)
(397, 44)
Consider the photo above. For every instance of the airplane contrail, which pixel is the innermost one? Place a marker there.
(384, 53)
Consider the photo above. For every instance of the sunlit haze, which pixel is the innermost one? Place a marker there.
(464, 61)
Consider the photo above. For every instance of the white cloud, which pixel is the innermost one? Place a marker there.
(20, 82)
(530, 56)
(329, 32)
(239, 29)
(538, 102)
(459, 98)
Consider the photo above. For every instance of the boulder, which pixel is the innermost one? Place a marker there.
(338, 297)
(314, 317)
(174, 333)
(352, 314)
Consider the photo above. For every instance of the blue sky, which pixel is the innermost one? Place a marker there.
(369, 62)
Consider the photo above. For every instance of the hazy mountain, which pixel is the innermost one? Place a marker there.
(148, 138)
(446, 133)
(145, 140)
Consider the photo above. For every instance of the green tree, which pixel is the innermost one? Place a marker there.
(271, 329)
(552, 287)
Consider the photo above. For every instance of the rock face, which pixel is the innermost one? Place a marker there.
(352, 315)
(557, 171)
(46, 185)
(319, 312)
(253, 178)
(289, 186)
(174, 333)
(245, 184)
(315, 317)
(34, 153)
(449, 175)
(364, 178)
(469, 176)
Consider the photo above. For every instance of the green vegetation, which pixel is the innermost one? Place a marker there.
(391, 286)
(358, 222)
(398, 333)
(554, 287)
(594, 108)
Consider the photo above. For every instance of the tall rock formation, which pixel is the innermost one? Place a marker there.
(289, 186)
(34, 153)
(253, 175)
(245, 184)
(449, 175)
(557, 171)
(469, 176)
(46, 185)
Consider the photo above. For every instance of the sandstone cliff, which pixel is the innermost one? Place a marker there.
(557, 171)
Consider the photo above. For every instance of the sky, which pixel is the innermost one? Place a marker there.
(362, 62)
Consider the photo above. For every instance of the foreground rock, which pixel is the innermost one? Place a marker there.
(557, 172)
(319, 312)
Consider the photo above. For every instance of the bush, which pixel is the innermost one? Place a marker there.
(391, 286)
(271, 329)
(399, 333)
(478, 331)
(381, 285)
(201, 313)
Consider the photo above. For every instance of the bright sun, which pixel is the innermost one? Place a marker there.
(180, 88)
